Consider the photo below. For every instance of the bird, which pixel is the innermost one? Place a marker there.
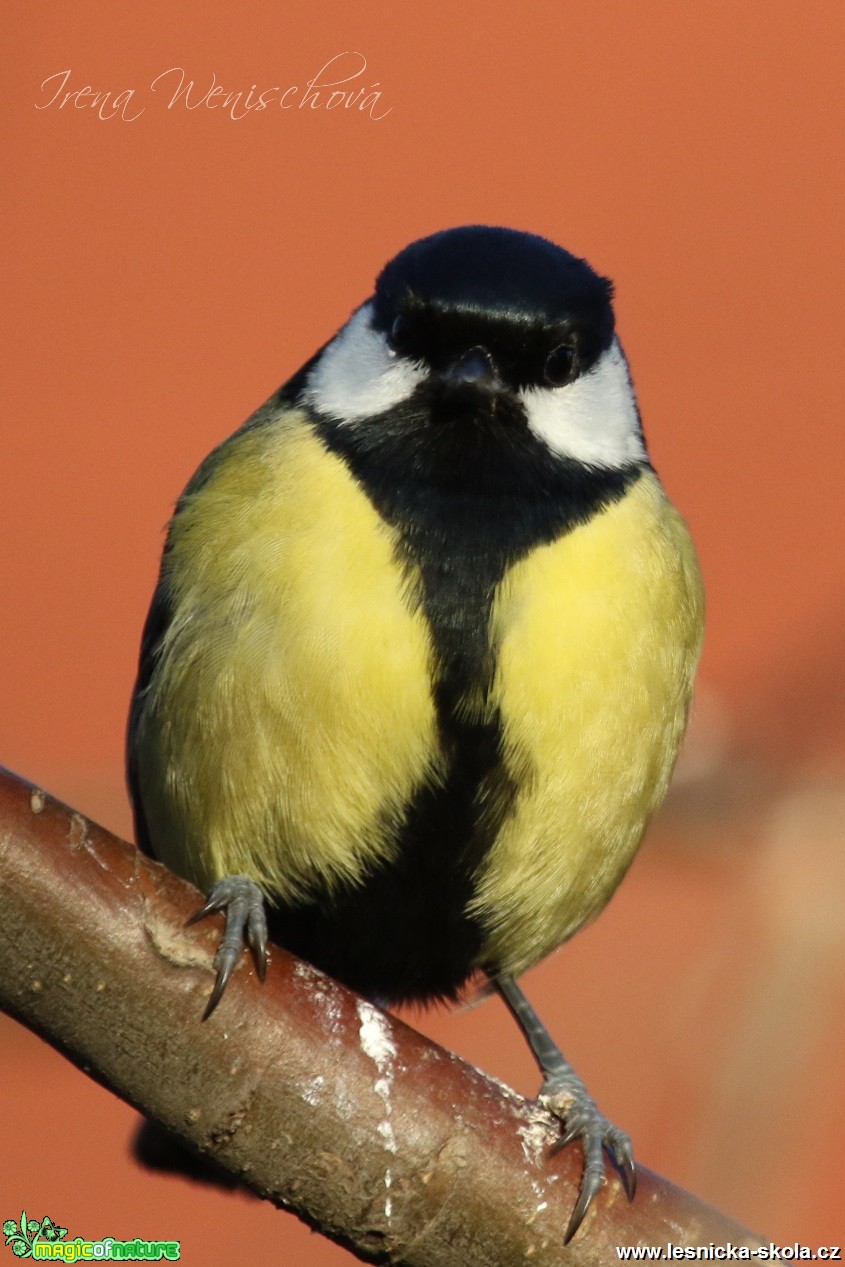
(422, 649)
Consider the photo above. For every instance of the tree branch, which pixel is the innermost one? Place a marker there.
(380, 1139)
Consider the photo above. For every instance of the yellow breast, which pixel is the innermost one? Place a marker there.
(599, 635)
(290, 720)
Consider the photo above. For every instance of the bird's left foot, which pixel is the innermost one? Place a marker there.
(565, 1095)
(246, 920)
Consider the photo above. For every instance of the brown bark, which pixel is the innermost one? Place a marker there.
(377, 1137)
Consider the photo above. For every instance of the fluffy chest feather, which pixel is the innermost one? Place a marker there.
(464, 763)
(598, 639)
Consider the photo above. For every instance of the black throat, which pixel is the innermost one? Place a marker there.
(470, 491)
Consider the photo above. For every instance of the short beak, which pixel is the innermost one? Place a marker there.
(476, 368)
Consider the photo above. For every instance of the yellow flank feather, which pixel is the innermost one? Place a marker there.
(291, 707)
(599, 635)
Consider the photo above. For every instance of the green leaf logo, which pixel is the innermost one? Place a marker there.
(22, 1239)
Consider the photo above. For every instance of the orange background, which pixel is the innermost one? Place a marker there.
(165, 275)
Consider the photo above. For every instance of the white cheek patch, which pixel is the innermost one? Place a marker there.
(593, 420)
(358, 375)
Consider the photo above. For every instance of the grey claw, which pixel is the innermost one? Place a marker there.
(256, 932)
(591, 1181)
(580, 1119)
(620, 1149)
(224, 961)
(629, 1177)
(566, 1138)
(243, 903)
(211, 905)
(577, 1217)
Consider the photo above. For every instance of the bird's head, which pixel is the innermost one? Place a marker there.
(480, 336)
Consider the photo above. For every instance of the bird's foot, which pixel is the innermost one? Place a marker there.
(565, 1095)
(246, 921)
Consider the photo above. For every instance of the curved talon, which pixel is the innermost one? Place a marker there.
(256, 933)
(581, 1119)
(619, 1146)
(629, 1177)
(243, 903)
(577, 1216)
(213, 904)
(567, 1137)
(224, 962)
(591, 1181)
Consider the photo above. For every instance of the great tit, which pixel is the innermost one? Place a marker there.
(421, 653)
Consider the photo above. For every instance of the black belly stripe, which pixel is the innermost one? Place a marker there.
(469, 497)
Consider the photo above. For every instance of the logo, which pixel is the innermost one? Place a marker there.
(23, 1238)
(46, 1241)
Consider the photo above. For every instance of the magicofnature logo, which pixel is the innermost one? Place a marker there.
(46, 1240)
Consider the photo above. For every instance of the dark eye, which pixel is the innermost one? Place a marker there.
(562, 364)
(399, 332)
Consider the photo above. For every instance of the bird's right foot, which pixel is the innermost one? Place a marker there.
(246, 921)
